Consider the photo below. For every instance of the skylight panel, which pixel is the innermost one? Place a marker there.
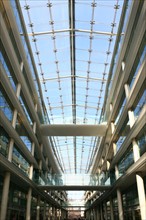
(73, 54)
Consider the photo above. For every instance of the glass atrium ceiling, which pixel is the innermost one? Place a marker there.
(72, 43)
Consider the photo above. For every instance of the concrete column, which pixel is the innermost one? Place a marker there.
(40, 161)
(140, 182)
(61, 214)
(108, 165)
(41, 147)
(91, 215)
(18, 90)
(31, 166)
(105, 211)
(5, 192)
(64, 215)
(97, 213)
(33, 144)
(38, 209)
(10, 153)
(136, 151)
(133, 215)
(141, 196)
(120, 205)
(14, 118)
(87, 215)
(101, 212)
(36, 107)
(21, 66)
(111, 107)
(111, 209)
(50, 213)
(123, 66)
(94, 214)
(32, 152)
(114, 148)
(28, 205)
(46, 173)
(31, 172)
(47, 211)
(116, 172)
(102, 160)
(112, 127)
(131, 118)
(44, 211)
(127, 90)
(34, 127)
(57, 214)
(11, 144)
(32, 148)
(53, 214)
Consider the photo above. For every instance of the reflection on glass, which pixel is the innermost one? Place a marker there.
(4, 142)
(120, 111)
(126, 162)
(120, 40)
(7, 67)
(120, 142)
(73, 77)
(23, 134)
(141, 103)
(71, 179)
(21, 99)
(5, 105)
(20, 161)
(140, 61)
(141, 141)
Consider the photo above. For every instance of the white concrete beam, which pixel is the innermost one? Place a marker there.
(73, 130)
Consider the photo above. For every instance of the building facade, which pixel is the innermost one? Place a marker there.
(24, 156)
(27, 158)
(121, 157)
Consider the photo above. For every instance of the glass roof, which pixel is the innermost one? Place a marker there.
(73, 43)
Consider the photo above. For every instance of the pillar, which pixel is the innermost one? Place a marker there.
(105, 211)
(28, 205)
(97, 213)
(120, 205)
(5, 192)
(14, 120)
(10, 153)
(139, 182)
(46, 173)
(38, 209)
(114, 148)
(133, 215)
(141, 196)
(101, 212)
(111, 209)
(44, 211)
(116, 172)
(53, 213)
(136, 155)
(94, 214)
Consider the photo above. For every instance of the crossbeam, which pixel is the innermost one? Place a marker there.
(75, 188)
(75, 30)
(73, 130)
